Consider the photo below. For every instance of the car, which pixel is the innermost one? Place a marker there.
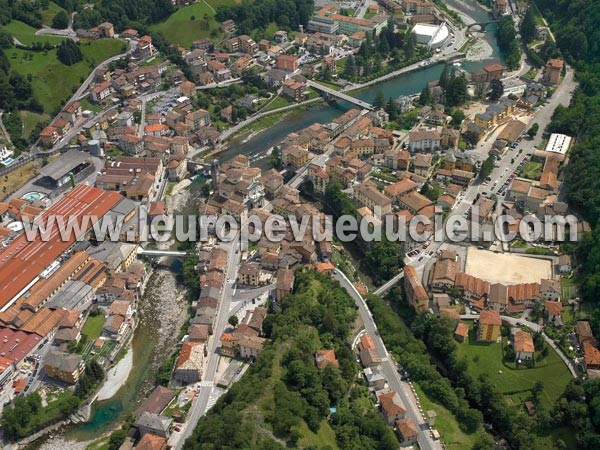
(421, 258)
(484, 193)
(519, 323)
(238, 371)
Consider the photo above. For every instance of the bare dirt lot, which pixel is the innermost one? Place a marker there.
(506, 268)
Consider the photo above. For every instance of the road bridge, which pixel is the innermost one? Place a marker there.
(340, 95)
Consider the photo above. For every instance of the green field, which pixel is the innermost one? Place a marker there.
(446, 423)
(31, 119)
(532, 170)
(516, 383)
(52, 81)
(93, 327)
(180, 29)
(26, 34)
(49, 13)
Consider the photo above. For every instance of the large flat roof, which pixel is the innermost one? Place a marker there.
(23, 260)
(64, 164)
(558, 143)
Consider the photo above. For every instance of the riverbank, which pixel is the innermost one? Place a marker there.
(116, 377)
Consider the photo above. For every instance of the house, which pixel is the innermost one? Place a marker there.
(64, 366)
(550, 289)
(293, 90)
(188, 368)
(325, 357)
(287, 63)
(523, 346)
(391, 407)
(367, 194)
(461, 331)
(101, 91)
(415, 292)
(150, 423)
(422, 164)
(444, 271)
(553, 312)
(151, 442)
(489, 73)
(591, 356)
(285, 282)
(407, 431)
(107, 30)
(584, 332)
(369, 357)
(554, 68)
(489, 326)
(375, 378)
(49, 136)
(423, 140)
(564, 263)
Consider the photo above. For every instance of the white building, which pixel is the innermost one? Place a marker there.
(433, 36)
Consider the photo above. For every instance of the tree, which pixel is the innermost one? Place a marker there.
(486, 168)
(458, 115)
(445, 77)
(496, 89)
(456, 90)
(233, 320)
(528, 30)
(60, 21)
(533, 130)
(425, 97)
(379, 99)
(275, 158)
(69, 53)
(6, 39)
(391, 109)
(350, 68)
(471, 420)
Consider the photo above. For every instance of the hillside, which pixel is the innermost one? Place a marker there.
(283, 399)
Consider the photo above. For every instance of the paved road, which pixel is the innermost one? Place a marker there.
(389, 368)
(207, 386)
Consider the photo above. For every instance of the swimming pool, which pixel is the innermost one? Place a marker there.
(32, 196)
(7, 161)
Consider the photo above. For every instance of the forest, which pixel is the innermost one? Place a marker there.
(258, 14)
(576, 25)
(284, 392)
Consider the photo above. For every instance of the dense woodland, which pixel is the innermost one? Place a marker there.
(576, 25)
(284, 389)
(258, 14)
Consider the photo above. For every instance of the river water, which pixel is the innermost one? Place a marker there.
(146, 342)
(405, 84)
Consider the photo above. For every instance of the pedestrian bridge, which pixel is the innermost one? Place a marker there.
(340, 95)
(159, 253)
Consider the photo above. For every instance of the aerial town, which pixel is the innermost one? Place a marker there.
(439, 113)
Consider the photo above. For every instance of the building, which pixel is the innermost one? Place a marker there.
(553, 312)
(423, 140)
(367, 194)
(149, 423)
(325, 357)
(64, 366)
(461, 332)
(554, 68)
(407, 431)
(391, 407)
(285, 283)
(287, 63)
(489, 73)
(188, 368)
(523, 346)
(489, 326)
(432, 36)
(151, 442)
(292, 89)
(415, 292)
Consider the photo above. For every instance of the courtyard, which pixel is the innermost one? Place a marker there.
(506, 268)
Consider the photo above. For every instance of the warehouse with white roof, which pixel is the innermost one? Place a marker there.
(433, 36)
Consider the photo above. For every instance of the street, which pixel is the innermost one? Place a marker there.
(389, 368)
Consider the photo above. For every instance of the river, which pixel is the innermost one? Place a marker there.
(409, 83)
(148, 346)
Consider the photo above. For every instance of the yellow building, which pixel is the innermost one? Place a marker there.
(489, 326)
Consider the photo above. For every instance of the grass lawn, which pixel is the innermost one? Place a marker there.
(279, 102)
(517, 383)
(53, 82)
(445, 422)
(93, 327)
(31, 119)
(26, 34)
(333, 86)
(17, 178)
(325, 438)
(180, 29)
(531, 170)
(49, 13)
